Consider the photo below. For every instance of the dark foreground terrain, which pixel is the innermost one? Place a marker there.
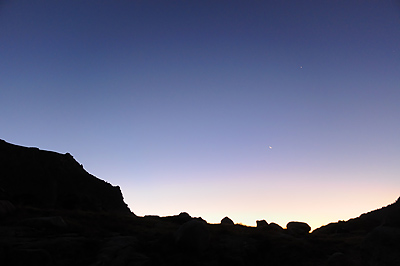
(52, 212)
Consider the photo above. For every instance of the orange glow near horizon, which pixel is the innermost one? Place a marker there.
(245, 203)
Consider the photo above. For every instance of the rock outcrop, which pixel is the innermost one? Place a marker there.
(261, 224)
(298, 228)
(52, 212)
(227, 221)
(385, 216)
(46, 179)
(275, 226)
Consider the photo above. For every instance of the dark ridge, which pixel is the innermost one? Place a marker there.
(38, 178)
(52, 212)
(385, 216)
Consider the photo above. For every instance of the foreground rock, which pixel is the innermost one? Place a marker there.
(193, 236)
(262, 224)
(45, 179)
(298, 228)
(90, 231)
(227, 221)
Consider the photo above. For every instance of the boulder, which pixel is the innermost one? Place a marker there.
(180, 219)
(227, 221)
(298, 228)
(275, 226)
(262, 224)
(185, 215)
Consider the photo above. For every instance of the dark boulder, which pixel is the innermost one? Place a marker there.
(298, 228)
(182, 218)
(275, 226)
(262, 224)
(227, 221)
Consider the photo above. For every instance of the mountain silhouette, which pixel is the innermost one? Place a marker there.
(388, 216)
(35, 177)
(53, 212)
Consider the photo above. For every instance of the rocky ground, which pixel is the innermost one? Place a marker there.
(32, 236)
(52, 212)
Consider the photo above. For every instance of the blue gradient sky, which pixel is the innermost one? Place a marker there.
(178, 102)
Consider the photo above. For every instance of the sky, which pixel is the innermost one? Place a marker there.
(276, 110)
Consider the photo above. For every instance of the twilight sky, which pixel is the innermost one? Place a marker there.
(275, 110)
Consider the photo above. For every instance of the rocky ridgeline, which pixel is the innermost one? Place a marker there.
(47, 220)
(45, 179)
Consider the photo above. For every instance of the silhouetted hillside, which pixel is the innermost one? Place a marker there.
(373, 237)
(388, 216)
(34, 177)
(52, 212)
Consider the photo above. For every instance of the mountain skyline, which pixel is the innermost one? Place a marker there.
(36, 178)
(43, 161)
(53, 212)
(179, 103)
